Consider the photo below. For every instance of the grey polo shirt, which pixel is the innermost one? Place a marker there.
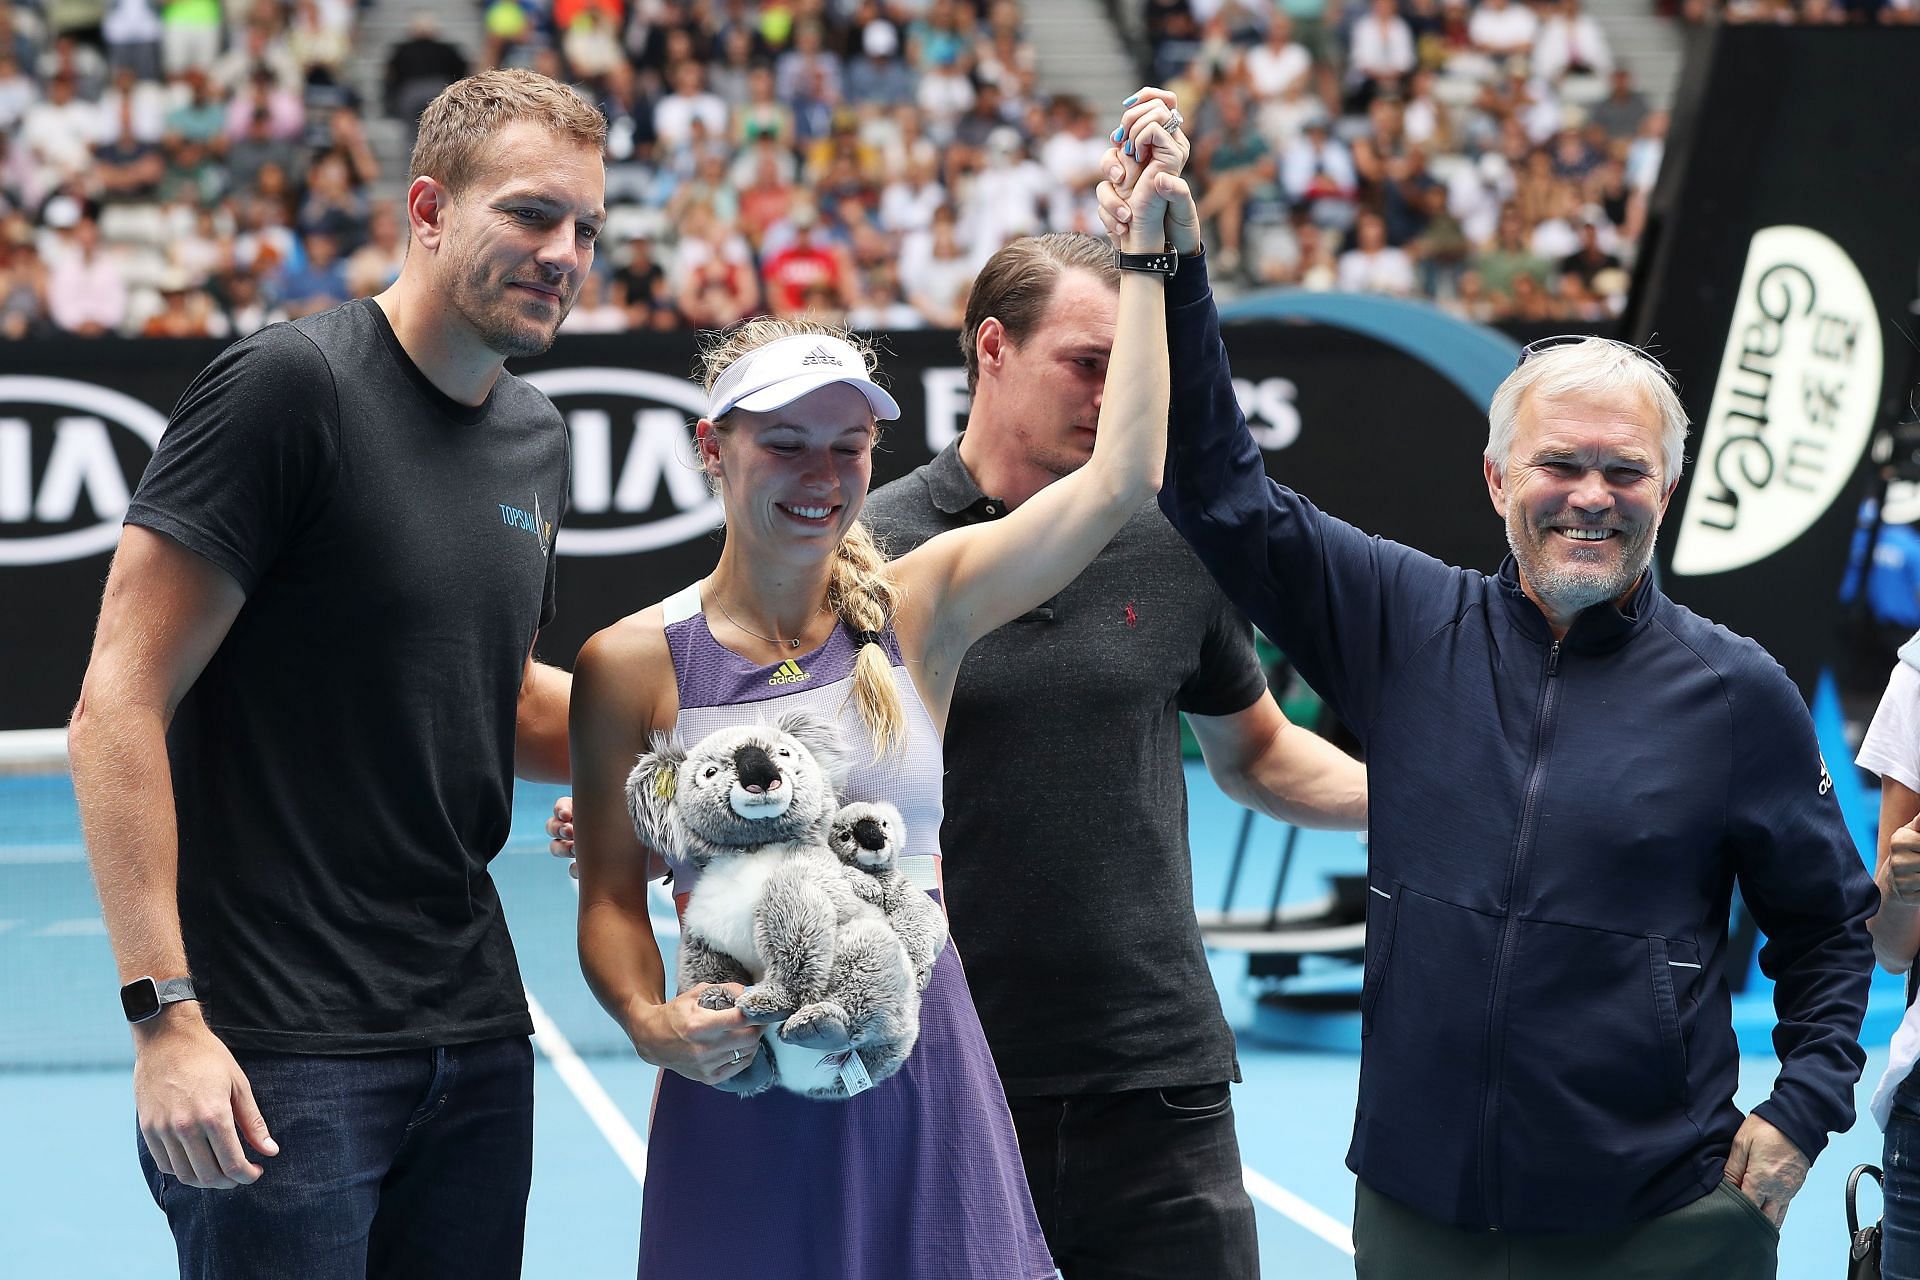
(1068, 879)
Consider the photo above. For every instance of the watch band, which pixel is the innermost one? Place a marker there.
(145, 997)
(1163, 263)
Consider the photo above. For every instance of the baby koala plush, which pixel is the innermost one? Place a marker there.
(752, 806)
(867, 839)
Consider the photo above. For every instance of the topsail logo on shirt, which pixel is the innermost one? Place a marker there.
(70, 456)
(531, 521)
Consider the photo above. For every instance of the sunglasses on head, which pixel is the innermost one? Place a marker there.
(1539, 345)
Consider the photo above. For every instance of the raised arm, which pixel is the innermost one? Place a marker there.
(164, 614)
(615, 703)
(965, 583)
(1215, 489)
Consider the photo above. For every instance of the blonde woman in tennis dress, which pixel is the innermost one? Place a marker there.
(918, 1178)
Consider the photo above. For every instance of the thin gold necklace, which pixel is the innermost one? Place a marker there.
(791, 644)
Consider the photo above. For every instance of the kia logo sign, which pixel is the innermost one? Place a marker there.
(70, 453)
(1794, 406)
(635, 487)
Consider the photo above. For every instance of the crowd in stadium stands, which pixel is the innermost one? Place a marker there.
(202, 167)
(1833, 13)
(1493, 158)
(180, 168)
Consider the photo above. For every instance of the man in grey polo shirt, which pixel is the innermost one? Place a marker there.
(1068, 878)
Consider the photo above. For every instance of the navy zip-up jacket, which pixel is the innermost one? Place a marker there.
(1555, 831)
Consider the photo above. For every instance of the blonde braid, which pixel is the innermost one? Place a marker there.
(865, 597)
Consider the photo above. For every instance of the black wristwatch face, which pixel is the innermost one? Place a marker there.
(141, 999)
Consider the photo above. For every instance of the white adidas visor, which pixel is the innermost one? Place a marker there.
(779, 373)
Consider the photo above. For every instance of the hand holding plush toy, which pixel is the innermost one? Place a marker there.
(752, 808)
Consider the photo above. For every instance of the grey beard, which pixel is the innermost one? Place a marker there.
(1570, 592)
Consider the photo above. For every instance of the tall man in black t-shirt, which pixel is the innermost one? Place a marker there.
(294, 751)
(1068, 878)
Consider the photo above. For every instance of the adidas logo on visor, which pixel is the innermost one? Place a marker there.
(788, 368)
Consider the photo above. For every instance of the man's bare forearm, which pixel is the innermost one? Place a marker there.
(1303, 779)
(540, 751)
(124, 786)
(1895, 928)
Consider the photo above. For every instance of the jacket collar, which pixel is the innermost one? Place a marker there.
(1597, 629)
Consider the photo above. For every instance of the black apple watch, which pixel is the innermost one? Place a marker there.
(143, 998)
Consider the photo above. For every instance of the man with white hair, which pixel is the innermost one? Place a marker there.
(1569, 775)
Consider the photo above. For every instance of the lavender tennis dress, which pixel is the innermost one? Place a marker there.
(918, 1178)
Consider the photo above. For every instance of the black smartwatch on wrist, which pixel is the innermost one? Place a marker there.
(143, 998)
(1162, 263)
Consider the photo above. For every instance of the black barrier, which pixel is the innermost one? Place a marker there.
(1371, 432)
(1774, 281)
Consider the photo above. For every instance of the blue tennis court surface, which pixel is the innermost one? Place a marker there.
(76, 1205)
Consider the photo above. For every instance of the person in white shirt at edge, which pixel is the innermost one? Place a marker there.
(1891, 751)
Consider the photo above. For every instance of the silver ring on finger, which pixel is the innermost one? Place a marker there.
(1173, 125)
(734, 1061)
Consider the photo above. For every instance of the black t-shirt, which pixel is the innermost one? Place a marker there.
(344, 765)
(1067, 873)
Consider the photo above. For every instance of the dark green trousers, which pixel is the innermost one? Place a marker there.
(1721, 1236)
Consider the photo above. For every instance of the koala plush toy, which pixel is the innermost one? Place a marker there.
(867, 839)
(831, 940)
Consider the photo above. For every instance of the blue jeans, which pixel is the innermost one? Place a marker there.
(413, 1163)
(1900, 1218)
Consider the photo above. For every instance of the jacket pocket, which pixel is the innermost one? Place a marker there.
(1382, 910)
(1666, 1012)
(1424, 1070)
(1593, 1118)
(1195, 1101)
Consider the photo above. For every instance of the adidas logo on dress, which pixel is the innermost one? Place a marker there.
(788, 672)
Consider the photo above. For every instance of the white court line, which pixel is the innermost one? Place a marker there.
(36, 855)
(1289, 1205)
(601, 1109)
(77, 927)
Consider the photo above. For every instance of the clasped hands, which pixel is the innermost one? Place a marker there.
(1144, 202)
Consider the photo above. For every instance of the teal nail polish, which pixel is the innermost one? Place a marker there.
(1117, 134)
(1129, 146)
(1130, 101)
